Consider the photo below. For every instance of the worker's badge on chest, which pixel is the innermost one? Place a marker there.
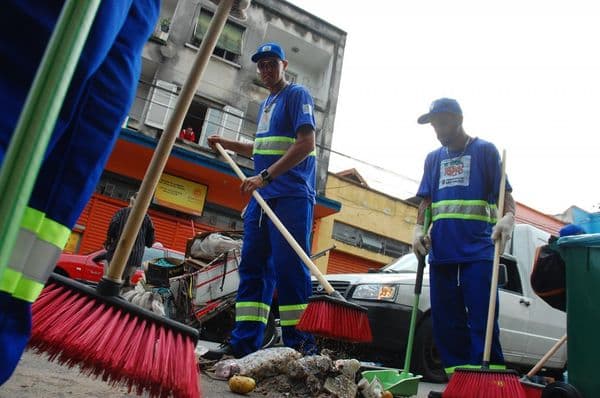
(455, 172)
(264, 124)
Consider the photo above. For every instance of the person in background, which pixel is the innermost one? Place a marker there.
(188, 134)
(460, 185)
(145, 238)
(284, 160)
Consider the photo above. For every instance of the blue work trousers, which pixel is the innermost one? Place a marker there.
(269, 262)
(460, 296)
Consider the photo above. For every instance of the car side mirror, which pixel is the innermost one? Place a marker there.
(502, 275)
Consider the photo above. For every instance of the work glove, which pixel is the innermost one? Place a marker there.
(503, 229)
(421, 241)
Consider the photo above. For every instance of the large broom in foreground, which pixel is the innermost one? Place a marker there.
(102, 333)
(328, 315)
(486, 382)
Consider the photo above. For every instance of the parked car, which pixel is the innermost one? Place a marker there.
(528, 325)
(89, 268)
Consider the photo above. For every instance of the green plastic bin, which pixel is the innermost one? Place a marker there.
(582, 258)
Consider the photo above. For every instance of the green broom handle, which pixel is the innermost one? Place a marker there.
(415, 307)
(487, 348)
(165, 143)
(290, 239)
(29, 141)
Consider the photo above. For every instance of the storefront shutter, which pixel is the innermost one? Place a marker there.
(344, 263)
(99, 212)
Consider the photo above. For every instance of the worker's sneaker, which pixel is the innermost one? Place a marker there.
(434, 394)
(218, 353)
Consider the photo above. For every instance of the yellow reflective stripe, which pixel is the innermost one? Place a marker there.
(290, 314)
(468, 202)
(256, 304)
(54, 233)
(9, 280)
(473, 209)
(464, 217)
(276, 138)
(252, 318)
(275, 145)
(252, 311)
(276, 152)
(32, 219)
(292, 307)
(452, 369)
(28, 289)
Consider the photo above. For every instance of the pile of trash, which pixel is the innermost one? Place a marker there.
(284, 372)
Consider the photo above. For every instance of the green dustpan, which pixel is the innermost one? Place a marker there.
(400, 384)
(404, 384)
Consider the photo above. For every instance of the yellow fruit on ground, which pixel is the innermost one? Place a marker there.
(241, 384)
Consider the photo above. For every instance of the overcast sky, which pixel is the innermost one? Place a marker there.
(526, 73)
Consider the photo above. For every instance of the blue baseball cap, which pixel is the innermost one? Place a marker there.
(268, 50)
(447, 105)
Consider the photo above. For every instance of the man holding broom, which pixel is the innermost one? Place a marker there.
(284, 157)
(460, 183)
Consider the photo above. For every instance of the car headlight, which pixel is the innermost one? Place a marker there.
(375, 292)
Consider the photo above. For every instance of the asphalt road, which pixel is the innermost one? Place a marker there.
(35, 377)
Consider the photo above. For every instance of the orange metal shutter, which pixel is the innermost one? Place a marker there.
(99, 212)
(344, 263)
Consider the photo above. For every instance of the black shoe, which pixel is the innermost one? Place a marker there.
(218, 353)
(434, 394)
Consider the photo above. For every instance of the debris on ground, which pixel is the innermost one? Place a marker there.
(284, 372)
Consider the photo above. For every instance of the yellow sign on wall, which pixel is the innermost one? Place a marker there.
(179, 194)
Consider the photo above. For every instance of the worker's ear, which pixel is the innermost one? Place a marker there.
(285, 64)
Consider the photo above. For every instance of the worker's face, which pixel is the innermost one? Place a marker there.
(271, 70)
(447, 127)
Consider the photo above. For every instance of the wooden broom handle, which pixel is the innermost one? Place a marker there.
(547, 356)
(166, 141)
(290, 239)
(495, 267)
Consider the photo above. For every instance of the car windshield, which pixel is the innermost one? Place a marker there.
(406, 263)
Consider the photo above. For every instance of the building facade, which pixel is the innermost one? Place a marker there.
(369, 231)
(197, 191)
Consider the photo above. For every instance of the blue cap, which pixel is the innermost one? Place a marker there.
(268, 50)
(447, 105)
(571, 229)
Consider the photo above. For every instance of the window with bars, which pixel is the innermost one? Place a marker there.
(369, 240)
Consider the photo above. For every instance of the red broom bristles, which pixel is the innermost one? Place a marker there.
(109, 342)
(532, 390)
(336, 319)
(484, 383)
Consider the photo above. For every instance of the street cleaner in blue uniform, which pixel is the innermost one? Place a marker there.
(461, 184)
(100, 95)
(284, 160)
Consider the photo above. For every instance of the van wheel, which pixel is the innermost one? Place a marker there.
(426, 360)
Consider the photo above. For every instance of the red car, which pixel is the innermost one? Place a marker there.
(89, 268)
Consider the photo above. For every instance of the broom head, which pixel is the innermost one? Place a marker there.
(335, 318)
(111, 338)
(484, 383)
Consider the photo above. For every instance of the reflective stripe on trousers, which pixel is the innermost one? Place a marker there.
(252, 311)
(290, 314)
(39, 245)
